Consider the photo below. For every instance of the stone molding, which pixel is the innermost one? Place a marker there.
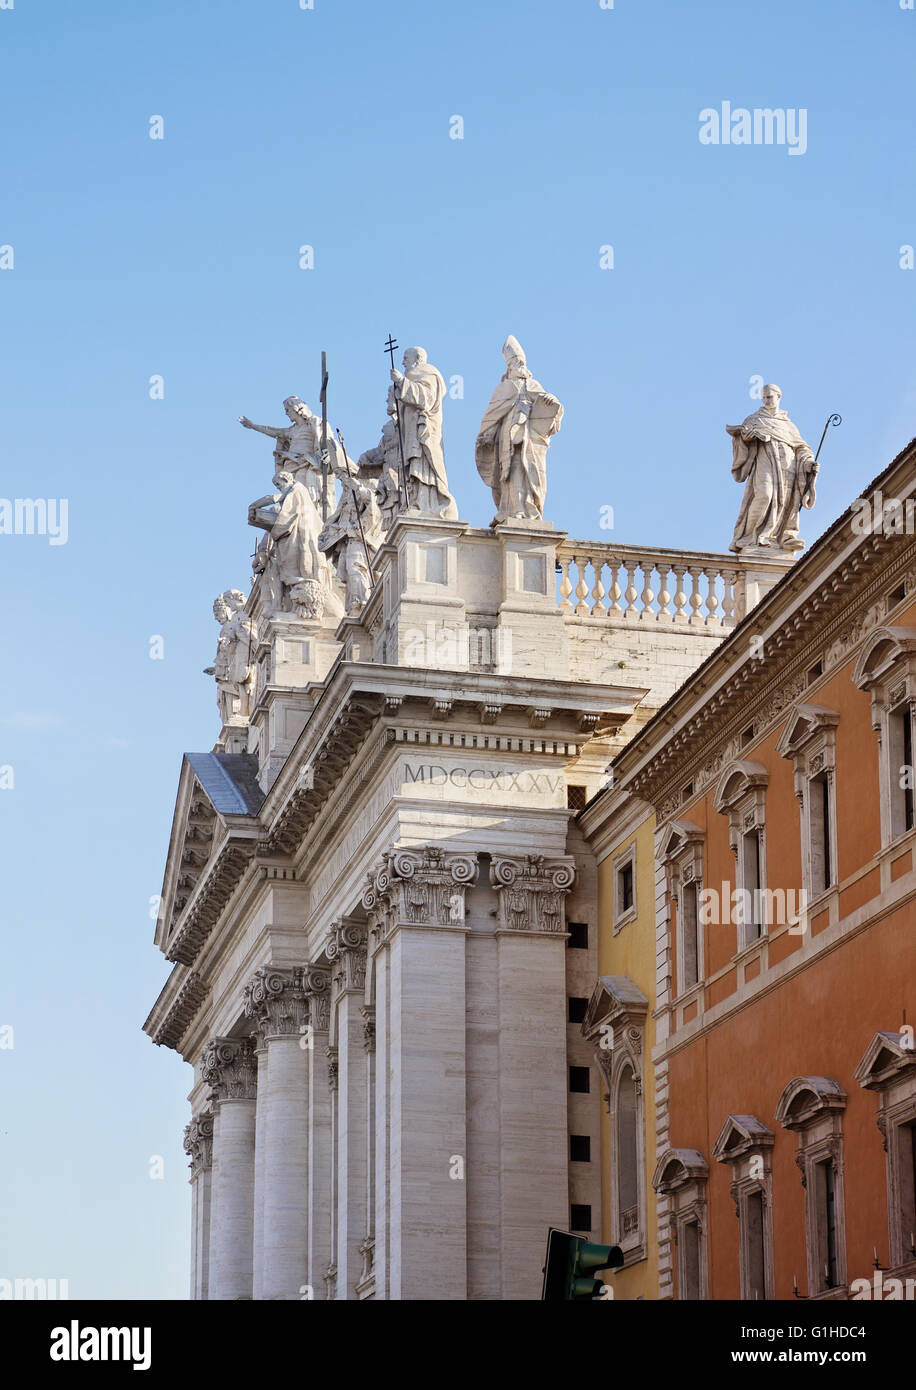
(532, 892)
(211, 896)
(229, 1067)
(418, 887)
(182, 1012)
(198, 1142)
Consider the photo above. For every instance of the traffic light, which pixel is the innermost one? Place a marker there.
(569, 1270)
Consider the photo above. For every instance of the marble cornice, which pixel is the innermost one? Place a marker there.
(210, 897)
(360, 694)
(176, 1008)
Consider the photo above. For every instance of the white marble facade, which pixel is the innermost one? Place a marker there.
(367, 898)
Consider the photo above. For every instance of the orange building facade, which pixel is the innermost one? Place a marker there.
(781, 776)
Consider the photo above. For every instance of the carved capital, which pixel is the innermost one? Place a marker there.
(276, 1001)
(418, 887)
(532, 892)
(317, 985)
(198, 1142)
(229, 1067)
(346, 950)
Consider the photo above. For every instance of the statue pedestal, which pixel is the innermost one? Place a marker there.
(535, 632)
(761, 568)
(292, 658)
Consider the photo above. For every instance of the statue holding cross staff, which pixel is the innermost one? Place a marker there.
(418, 395)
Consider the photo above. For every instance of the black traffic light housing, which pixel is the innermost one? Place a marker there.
(569, 1270)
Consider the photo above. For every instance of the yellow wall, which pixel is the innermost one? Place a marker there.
(632, 952)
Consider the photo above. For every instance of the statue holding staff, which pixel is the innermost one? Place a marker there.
(778, 470)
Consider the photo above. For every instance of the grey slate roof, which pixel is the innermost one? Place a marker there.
(230, 781)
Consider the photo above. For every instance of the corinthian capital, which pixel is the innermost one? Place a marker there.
(198, 1142)
(317, 985)
(532, 892)
(418, 887)
(230, 1069)
(346, 950)
(277, 1001)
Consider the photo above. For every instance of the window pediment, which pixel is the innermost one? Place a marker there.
(740, 779)
(615, 1002)
(805, 723)
(678, 1167)
(884, 1060)
(680, 835)
(885, 648)
(740, 1135)
(808, 1098)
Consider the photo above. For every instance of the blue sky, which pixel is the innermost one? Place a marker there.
(179, 257)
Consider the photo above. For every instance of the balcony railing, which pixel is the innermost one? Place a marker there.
(639, 584)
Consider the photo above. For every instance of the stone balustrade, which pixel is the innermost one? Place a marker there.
(628, 583)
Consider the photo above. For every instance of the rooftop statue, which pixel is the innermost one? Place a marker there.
(419, 392)
(514, 437)
(294, 572)
(298, 451)
(778, 470)
(383, 464)
(352, 535)
(233, 667)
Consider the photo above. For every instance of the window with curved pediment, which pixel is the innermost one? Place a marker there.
(888, 1068)
(813, 1106)
(615, 1025)
(681, 1176)
(886, 669)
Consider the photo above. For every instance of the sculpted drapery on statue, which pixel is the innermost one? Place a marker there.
(515, 432)
(778, 470)
(420, 390)
(294, 572)
(298, 450)
(233, 667)
(354, 528)
(382, 464)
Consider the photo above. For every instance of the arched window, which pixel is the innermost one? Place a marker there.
(626, 1111)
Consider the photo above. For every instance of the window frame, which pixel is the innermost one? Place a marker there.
(888, 1068)
(808, 741)
(746, 1144)
(813, 1107)
(886, 670)
(741, 796)
(622, 916)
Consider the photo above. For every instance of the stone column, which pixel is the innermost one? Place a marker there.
(317, 986)
(532, 1096)
(228, 1067)
(198, 1145)
(346, 950)
(365, 1285)
(276, 1001)
(260, 1149)
(416, 907)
